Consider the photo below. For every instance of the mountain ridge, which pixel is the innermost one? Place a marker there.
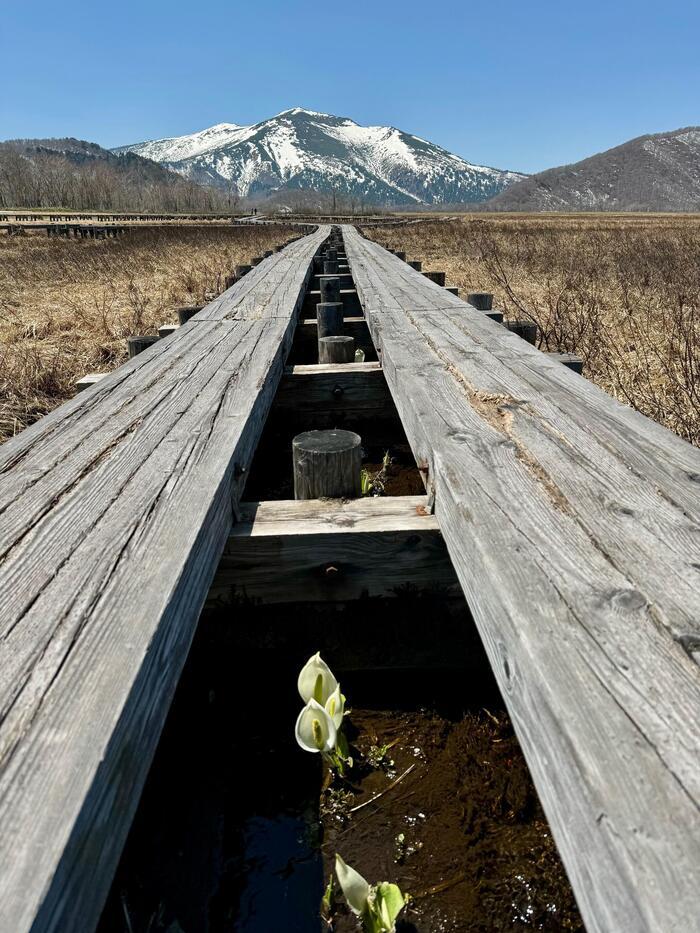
(653, 172)
(302, 150)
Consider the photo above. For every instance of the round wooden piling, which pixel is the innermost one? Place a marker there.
(482, 301)
(525, 329)
(136, 345)
(184, 314)
(336, 349)
(329, 286)
(329, 317)
(327, 464)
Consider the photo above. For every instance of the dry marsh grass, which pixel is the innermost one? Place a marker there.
(622, 291)
(67, 306)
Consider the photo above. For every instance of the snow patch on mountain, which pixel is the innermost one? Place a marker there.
(304, 149)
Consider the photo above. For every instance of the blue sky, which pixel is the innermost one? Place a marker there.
(515, 85)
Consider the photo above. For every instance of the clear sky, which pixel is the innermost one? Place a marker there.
(514, 85)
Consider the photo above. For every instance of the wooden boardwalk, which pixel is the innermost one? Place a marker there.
(573, 524)
(114, 510)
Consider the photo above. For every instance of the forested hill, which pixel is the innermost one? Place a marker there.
(79, 175)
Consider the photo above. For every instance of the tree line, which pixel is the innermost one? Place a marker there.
(77, 175)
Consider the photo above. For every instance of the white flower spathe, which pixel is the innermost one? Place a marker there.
(316, 680)
(315, 730)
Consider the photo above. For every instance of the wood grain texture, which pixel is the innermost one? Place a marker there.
(326, 464)
(293, 551)
(114, 510)
(573, 524)
(347, 387)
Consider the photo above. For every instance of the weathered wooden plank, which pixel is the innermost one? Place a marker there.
(348, 387)
(134, 480)
(318, 550)
(573, 526)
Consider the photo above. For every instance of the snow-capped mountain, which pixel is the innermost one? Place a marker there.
(303, 150)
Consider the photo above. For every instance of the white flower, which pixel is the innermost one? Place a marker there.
(354, 886)
(316, 680)
(315, 730)
(335, 707)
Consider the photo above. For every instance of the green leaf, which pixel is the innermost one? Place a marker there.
(391, 902)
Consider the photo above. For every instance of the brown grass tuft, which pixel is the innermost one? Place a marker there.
(623, 291)
(67, 306)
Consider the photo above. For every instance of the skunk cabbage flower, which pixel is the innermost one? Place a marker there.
(354, 886)
(315, 730)
(335, 707)
(316, 680)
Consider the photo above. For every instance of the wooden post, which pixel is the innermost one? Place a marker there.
(329, 317)
(332, 254)
(482, 301)
(570, 360)
(452, 289)
(416, 264)
(242, 270)
(400, 255)
(437, 277)
(330, 267)
(136, 345)
(184, 314)
(318, 265)
(327, 464)
(256, 260)
(167, 329)
(268, 252)
(329, 286)
(336, 349)
(525, 329)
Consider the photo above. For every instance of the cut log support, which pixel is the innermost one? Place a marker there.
(527, 330)
(319, 550)
(184, 314)
(329, 288)
(136, 345)
(329, 319)
(327, 464)
(482, 301)
(336, 350)
(90, 379)
(570, 360)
